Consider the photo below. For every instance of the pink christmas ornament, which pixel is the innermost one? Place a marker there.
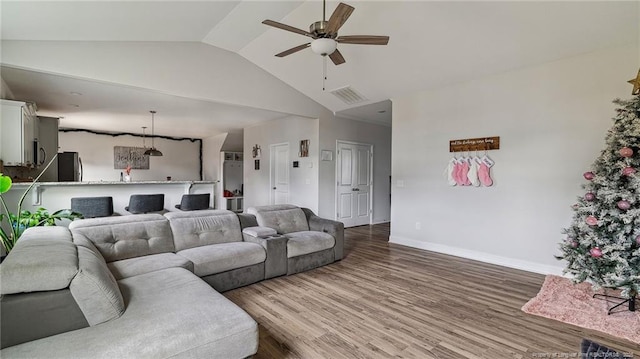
(591, 220)
(595, 252)
(624, 205)
(628, 171)
(638, 240)
(574, 244)
(626, 152)
(589, 197)
(589, 175)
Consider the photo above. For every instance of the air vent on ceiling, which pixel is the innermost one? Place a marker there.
(348, 95)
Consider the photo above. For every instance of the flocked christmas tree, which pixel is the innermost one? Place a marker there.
(602, 244)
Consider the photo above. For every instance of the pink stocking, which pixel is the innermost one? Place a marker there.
(483, 174)
(464, 171)
(457, 174)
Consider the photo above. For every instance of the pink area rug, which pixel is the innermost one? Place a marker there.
(561, 300)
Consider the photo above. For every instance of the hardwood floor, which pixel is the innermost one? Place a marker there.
(384, 300)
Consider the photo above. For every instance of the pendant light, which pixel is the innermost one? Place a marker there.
(152, 151)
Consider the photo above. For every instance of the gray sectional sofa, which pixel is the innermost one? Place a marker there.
(147, 286)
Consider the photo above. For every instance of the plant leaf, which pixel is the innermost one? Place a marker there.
(5, 184)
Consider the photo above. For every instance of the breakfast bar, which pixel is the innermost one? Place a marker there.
(57, 195)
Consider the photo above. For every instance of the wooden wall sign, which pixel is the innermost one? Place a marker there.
(130, 156)
(475, 144)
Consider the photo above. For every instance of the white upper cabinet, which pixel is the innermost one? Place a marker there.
(17, 133)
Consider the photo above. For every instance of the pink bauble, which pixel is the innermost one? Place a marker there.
(595, 252)
(624, 205)
(591, 220)
(589, 175)
(638, 240)
(574, 244)
(628, 171)
(589, 197)
(626, 152)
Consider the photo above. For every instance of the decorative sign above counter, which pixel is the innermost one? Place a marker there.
(130, 156)
(475, 144)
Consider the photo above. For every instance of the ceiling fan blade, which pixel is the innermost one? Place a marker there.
(337, 58)
(338, 18)
(293, 49)
(363, 39)
(282, 26)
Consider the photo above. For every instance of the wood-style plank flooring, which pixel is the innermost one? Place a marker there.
(389, 301)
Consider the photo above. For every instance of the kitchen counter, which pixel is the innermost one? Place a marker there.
(57, 195)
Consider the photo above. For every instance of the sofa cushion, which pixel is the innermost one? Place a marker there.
(125, 237)
(218, 258)
(306, 242)
(284, 218)
(170, 314)
(201, 228)
(38, 263)
(145, 264)
(95, 290)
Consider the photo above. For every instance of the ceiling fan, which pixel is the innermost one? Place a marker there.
(325, 34)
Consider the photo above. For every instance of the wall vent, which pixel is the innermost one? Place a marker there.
(348, 95)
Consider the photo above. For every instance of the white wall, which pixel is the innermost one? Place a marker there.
(303, 189)
(551, 120)
(181, 159)
(334, 129)
(211, 147)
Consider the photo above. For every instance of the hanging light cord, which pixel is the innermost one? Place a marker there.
(153, 143)
(324, 71)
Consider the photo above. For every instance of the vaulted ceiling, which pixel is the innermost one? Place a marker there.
(432, 44)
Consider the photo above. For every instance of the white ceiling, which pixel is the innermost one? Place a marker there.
(432, 43)
(100, 106)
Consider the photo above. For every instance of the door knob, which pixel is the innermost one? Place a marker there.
(274, 188)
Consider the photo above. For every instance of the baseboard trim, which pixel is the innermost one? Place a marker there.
(380, 222)
(478, 256)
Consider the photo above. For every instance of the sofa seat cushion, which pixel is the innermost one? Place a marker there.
(218, 258)
(170, 313)
(306, 242)
(135, 266)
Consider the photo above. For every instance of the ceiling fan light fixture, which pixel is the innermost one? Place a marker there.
(324, 46)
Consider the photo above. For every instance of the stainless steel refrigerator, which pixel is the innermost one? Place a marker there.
(69, 167)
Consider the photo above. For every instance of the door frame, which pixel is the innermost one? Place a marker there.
(337, 180)
(272, 166)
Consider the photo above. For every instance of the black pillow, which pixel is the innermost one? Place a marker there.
(592, 350)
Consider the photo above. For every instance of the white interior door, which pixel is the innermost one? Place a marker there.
(354, 183)
(279, 173)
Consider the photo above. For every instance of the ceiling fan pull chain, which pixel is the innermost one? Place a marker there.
(324, 71)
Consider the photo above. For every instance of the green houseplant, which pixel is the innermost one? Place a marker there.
(19, 221)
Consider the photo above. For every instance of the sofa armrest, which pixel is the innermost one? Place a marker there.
(276, 248)
(334, 228)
